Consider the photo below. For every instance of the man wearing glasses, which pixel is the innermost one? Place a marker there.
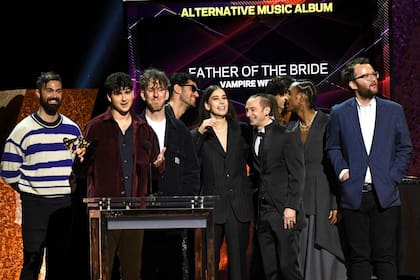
(183, 94)
(369, 145)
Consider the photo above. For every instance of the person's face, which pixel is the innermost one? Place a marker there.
(294, 100)
(218, 103)
(50, 97)
(256, 114)
(155, 96)
(365, 83)
(282, 101)
(121, 101)
(189, 93)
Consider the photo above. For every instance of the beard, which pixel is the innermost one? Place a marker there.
(369, 94)
(189, 101)
(50, 109)
(154, 107)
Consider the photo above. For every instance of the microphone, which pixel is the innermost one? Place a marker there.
(147, 146)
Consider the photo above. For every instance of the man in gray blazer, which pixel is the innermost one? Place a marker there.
(369, 145)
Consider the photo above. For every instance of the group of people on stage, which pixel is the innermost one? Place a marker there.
(318, 191)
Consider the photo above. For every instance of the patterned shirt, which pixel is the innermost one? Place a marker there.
(36, 159)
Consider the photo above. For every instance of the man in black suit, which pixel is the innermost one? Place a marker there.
(181, 177)
(182, 170)
(278, 170)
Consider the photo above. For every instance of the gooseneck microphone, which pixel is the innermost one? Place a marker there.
(147, 146)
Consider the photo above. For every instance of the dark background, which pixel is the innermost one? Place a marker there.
(82, 40)
(63, 36)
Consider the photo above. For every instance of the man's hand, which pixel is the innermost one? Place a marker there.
(334, 217)
(346, 176)
(80, 153)
(160, 158)
(289, 218)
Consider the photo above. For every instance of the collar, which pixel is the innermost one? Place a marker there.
(136, 120)
(53, 124)
(265, 128)
(372, 103)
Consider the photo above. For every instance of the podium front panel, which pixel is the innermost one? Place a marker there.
(107, 214)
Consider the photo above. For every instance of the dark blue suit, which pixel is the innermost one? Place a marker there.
(389, 155)
(370, 218)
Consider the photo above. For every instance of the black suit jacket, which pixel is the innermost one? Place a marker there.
(182, 171)
(321, 186)
(279, 171)
(224, 173)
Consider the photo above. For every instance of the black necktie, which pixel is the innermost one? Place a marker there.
(260, 137)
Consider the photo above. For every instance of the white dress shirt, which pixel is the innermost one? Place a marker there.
(367, 117)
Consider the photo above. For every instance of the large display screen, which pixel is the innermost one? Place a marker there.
(241, 45)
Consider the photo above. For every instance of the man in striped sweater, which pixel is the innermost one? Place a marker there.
(37, 164)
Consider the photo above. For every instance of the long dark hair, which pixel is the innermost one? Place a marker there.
(205, 114)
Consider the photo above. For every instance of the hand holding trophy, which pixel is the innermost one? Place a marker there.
(77, 145)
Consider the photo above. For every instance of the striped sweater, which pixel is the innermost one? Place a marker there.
(36, 158)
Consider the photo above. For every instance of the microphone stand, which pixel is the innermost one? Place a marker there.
(150, 180)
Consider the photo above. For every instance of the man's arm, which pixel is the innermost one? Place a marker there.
(333, 148)
(403, 148)
(294, 158)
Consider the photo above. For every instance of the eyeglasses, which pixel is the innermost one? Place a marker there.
(367, 76)
(193, 88)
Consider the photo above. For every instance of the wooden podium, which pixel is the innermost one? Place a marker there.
(152, 212)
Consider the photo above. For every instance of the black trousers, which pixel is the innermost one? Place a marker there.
(279, 247)
(46, 226)
(237, 239)
(168, 254)
(372, 234)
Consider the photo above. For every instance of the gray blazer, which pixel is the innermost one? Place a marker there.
(319, 196)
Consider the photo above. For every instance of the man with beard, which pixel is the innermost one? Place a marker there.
(369, 145)
(38, 165)
(183, 94)
(182, 171)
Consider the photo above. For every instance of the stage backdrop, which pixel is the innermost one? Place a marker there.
(241, 45)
